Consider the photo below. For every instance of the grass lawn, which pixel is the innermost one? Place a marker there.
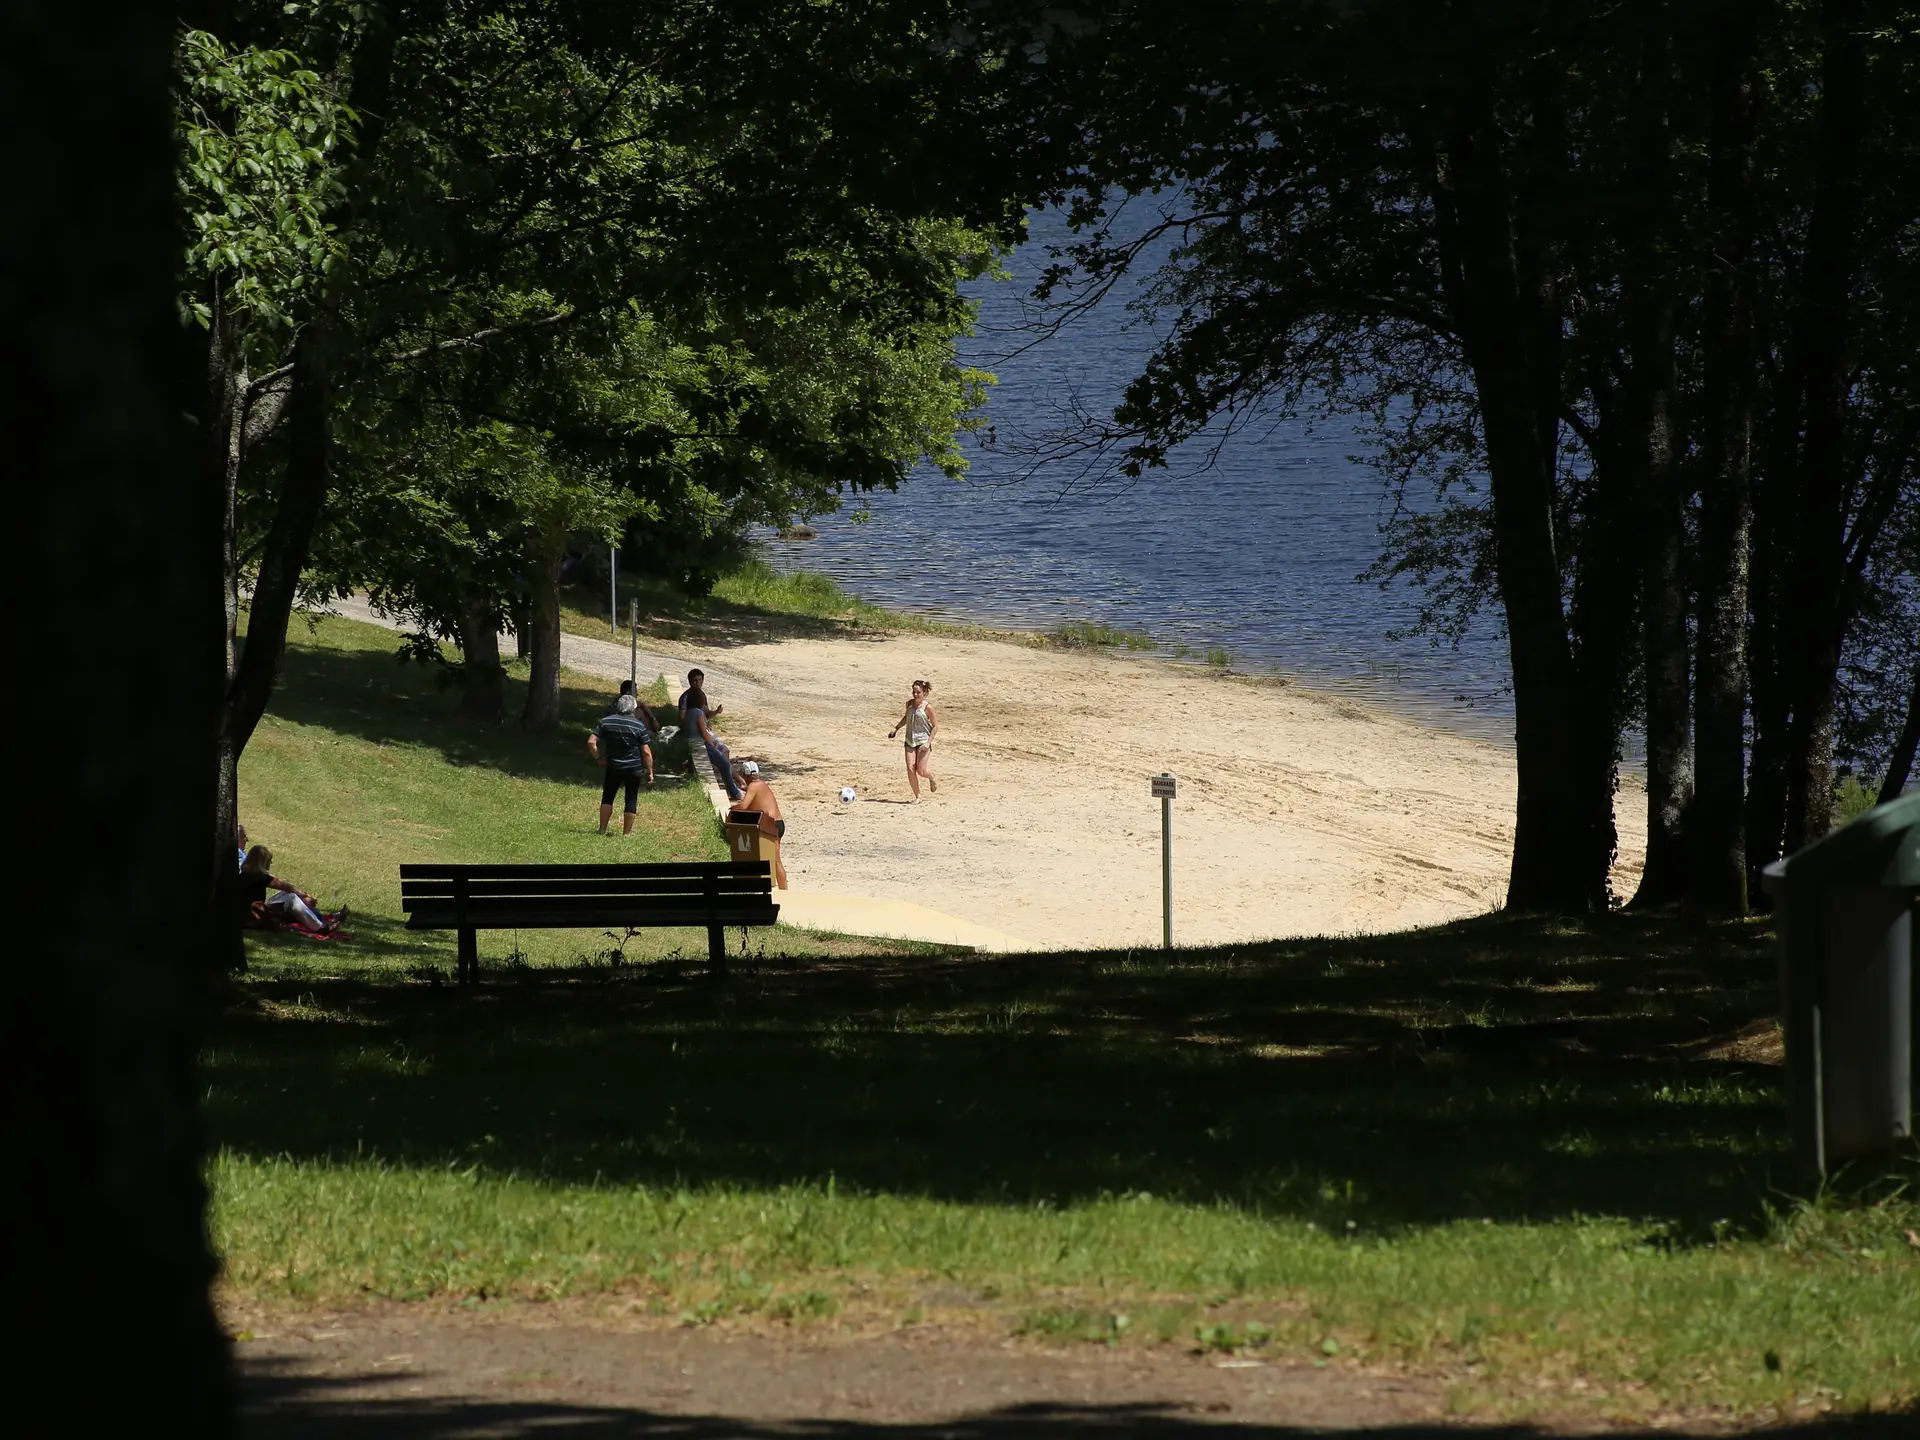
(1518, 1153)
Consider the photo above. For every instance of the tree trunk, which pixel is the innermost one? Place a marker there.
(106, 1247)
(1766, 811)
(1496, 313)
(1649, 307)
(542, 713)
(1900, 763)
(1603, 616)
(1718, 877)
(1504, 312)
(1824, 483)
(483, 693)
(1664, 637)
(223, 436)
(289, 539)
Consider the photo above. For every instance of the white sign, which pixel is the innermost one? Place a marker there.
(1163, 787)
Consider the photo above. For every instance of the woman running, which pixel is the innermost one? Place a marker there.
(921, 726)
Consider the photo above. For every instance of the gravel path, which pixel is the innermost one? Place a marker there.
(424, 1371)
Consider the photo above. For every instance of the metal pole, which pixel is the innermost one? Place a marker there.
(1166, 871)
(613, 589)
(633, 621)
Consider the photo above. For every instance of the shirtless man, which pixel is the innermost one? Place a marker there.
(756, 794)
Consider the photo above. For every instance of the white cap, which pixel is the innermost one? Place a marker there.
(748, 767)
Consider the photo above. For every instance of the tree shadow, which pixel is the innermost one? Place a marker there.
(710, 622)
(374, 696)
(1505, 1069)
(298, 1407)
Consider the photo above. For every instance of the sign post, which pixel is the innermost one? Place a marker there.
(633, 625)
(1163, 790)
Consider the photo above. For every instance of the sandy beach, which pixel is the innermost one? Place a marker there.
(1299, 812)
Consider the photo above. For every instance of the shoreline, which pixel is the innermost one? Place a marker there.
(855, 616)
(1300, 812)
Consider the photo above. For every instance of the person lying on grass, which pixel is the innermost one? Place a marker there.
(621, 743)
(288, 907)
(756, 797)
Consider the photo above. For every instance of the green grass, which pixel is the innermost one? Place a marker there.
(1086, 634)
(1518, 1153)
(1491, 1150)
(359, 767)
(754, 601)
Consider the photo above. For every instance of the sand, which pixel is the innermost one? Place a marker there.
(1299, 812)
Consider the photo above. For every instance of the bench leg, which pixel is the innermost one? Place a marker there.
(469, 966)
(717, 949)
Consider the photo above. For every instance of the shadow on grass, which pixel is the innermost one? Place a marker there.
(372, 695)
(720, 624)
(368, 936)
(1509, 1069)
(284, 1405)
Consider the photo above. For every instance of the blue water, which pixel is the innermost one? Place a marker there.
(1257, 553)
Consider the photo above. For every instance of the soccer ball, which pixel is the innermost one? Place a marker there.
(846, 794)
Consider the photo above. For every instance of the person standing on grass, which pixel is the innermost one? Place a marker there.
(695, 713)
(621, 744)
(921, 725)
(757, 797)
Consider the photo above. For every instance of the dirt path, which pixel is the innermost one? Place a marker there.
(421, 1371)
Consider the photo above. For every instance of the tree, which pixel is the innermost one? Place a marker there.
(492, 150)
(106, 1225)
(1580, 256)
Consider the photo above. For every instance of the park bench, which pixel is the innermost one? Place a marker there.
(471, 898)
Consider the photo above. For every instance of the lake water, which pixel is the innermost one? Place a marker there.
(1257, 554)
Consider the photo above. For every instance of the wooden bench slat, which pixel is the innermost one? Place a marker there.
(723, 885)
(487, 905)
(685, 869)
(697, 918)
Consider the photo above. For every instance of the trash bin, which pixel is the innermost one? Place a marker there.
(1844, 911)
(745, 839)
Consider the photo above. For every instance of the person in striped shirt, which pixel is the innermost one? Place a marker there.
(621, 743)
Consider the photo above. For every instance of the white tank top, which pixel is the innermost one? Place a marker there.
(919, 727)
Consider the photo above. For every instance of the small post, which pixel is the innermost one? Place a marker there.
(633, 625)
(613, 589)
(716, 932)
(1163, 789)
(467, 965)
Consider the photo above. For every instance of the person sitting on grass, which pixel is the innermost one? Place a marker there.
(756, 796)
(695, 713)
(642, 710)
(621, 744)
(288, 907)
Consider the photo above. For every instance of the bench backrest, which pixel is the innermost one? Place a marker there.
(583, 894)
